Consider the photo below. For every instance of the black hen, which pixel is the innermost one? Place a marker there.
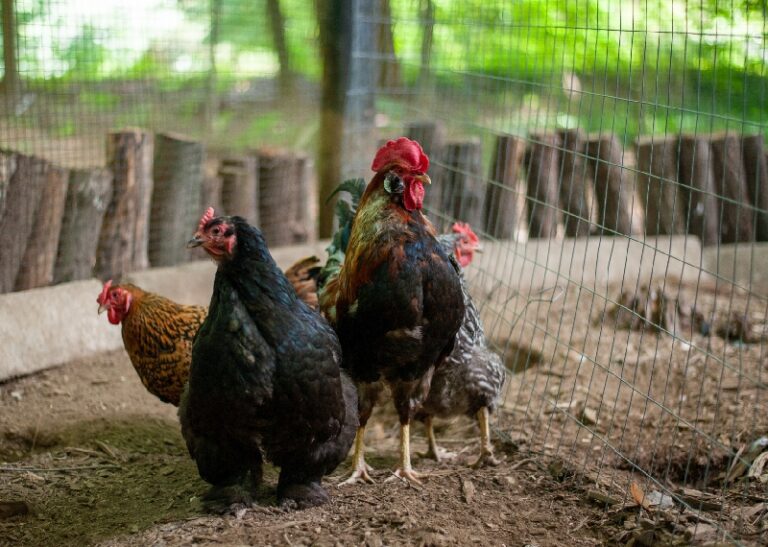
(265, 376)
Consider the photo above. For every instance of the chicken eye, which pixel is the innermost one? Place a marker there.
(393, 184)
(215, 231)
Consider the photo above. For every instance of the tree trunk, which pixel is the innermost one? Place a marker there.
(335, 23)
(124, 233)
(278, 195)
(431, 136)
(460, 188)
(26, 177)
(753, 149)
(211, 104)
(574, 186)
(428, 22)
(240, 187)
(502, 194)
(178, 175)
(697, 179)
(389, 67)
(543, 185)
(10, 60)
(658, 185)
(614, 192)
(731, 183)
(277, 27)
(89, 193)
(40, 256)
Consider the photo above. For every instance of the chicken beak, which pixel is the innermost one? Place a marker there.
(195, 242)
(102, 308)
(479, 249)
(424, 179)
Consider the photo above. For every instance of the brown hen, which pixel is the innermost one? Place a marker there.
(157, 335)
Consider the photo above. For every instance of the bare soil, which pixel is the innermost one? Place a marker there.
(98, 459)
(608, 436)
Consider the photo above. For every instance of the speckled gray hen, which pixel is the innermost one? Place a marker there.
(470, 379)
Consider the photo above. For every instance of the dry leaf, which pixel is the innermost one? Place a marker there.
(638, 495)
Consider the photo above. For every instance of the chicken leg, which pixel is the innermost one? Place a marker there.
(434, 452)
(362, 469)
(405, 470)
(486, 449)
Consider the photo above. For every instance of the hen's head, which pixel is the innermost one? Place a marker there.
(116, 301)
(216, 235)
(466, 244)
(404, 165)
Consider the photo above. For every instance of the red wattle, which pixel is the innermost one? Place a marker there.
(413, 197)
(113, 316)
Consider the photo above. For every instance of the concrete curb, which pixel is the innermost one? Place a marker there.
(46, 327)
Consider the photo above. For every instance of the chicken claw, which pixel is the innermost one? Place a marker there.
(405, 471)
(486, 459)
(434, 452)
(362, 469)
(407, 475)
(358, 476)
(486, 448)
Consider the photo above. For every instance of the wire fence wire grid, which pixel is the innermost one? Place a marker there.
(614, 151)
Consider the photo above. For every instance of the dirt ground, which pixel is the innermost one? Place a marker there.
(608, 435)
(98, 459)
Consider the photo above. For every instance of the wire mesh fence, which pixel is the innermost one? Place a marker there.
(614, 151)
(610, 155)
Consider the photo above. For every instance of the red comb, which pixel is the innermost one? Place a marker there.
(206, 218)
(102, 298)
(402, 152)
(465, 229)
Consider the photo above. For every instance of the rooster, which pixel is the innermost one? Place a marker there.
(396, 303)
(157, 335)
(265, 376)
(469, 381)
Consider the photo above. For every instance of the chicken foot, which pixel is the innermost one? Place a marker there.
(362, 469)
(434, 452)
(486, 449)
(405, 471)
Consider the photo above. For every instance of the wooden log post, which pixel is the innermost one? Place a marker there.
(176, 208)
(460, 186)
(240, 187)
(89, 193)
(40, 256)
(731, 182)
(210, 194)
(124, 233)
(614, 190)
(756, 168)
(543, 185)
(697, 184)
(278, 189)
(431, 136)
(574, 184)
(303, 227)
(657, 172)
(23, 180)
(502, 194)
(7, 167)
